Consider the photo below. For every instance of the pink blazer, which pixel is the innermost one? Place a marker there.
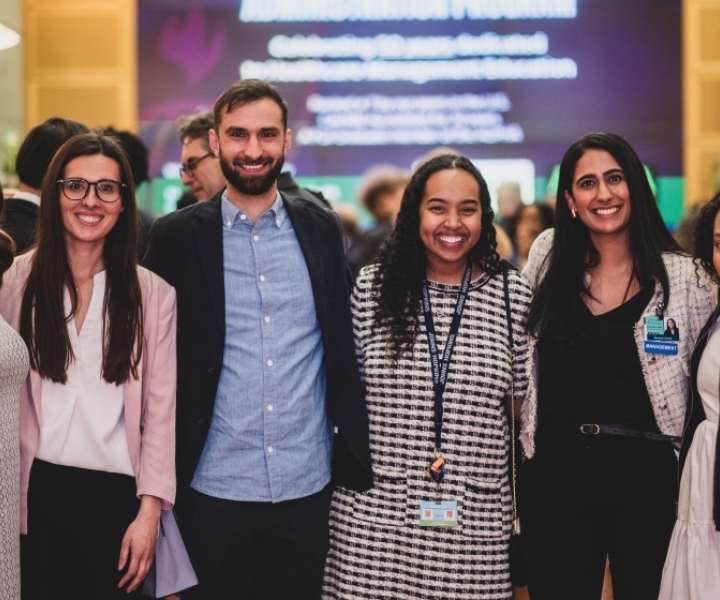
(149, 400)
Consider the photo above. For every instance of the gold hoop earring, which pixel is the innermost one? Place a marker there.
(573, 212)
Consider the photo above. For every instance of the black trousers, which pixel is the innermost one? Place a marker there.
(257, 550)
(584, 498)
(76, 522)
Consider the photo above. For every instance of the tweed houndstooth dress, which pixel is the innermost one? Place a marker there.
(377, 547)
(14, 364)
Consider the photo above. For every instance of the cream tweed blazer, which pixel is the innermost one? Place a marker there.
(692, 299)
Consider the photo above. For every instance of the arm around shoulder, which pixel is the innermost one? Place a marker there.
(537, 259)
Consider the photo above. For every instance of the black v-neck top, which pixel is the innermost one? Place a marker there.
(599, 379)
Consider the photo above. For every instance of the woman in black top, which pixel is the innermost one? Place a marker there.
(609, 388)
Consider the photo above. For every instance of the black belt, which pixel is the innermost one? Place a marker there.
(621, 429)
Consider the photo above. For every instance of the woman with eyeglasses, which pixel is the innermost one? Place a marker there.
(97, 430)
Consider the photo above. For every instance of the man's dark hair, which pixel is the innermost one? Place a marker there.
(40, 145)
(245, 92)
(195, 127)
(137, 153)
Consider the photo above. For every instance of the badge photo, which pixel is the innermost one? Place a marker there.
(662, 335)
(672, 329)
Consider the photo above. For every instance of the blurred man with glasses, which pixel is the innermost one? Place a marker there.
(200, 169)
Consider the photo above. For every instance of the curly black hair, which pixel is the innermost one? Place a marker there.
(704, 242)
(403, 261)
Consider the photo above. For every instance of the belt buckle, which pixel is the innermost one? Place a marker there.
(590, 428)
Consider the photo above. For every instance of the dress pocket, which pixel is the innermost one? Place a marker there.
(384, 503)
(485, 512)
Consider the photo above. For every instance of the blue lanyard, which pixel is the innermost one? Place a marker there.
(440, 367)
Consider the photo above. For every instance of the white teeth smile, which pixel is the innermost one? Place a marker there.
(607, 211)
(450, 240)
(89, 220)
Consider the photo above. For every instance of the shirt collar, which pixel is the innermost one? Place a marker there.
(230, 212)
(35, 199)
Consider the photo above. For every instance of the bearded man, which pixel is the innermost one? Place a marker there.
(270, 407)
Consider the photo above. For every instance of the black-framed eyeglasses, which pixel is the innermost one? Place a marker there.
(189, 167)
(107, 190)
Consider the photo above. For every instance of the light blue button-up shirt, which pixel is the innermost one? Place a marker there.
(270, 438)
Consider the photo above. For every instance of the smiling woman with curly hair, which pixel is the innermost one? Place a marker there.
(440, 285)
(403, 262)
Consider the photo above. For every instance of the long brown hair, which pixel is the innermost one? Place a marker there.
(43, 322)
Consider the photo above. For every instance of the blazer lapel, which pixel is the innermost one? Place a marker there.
(701, 343)
(209, 239)
(303, 221)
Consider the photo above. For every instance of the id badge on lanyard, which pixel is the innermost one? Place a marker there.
(439, 512)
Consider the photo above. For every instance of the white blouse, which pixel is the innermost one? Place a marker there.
(82, 422)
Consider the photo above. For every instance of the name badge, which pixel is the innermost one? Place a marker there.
(434, 513)
(662, 335)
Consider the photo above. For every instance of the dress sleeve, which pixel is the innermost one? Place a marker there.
(520, 296)
(362, 313)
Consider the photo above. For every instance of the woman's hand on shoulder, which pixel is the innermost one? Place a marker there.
(138, 546)
(539, 251)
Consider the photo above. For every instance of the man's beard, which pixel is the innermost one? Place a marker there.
(252, 185)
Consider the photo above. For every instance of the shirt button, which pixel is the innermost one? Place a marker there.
(267, 319)
(270, 449)
(277, 222)
(262, 277)
(269, 363)
(243, 217)
(256, 238)
(270, 407)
